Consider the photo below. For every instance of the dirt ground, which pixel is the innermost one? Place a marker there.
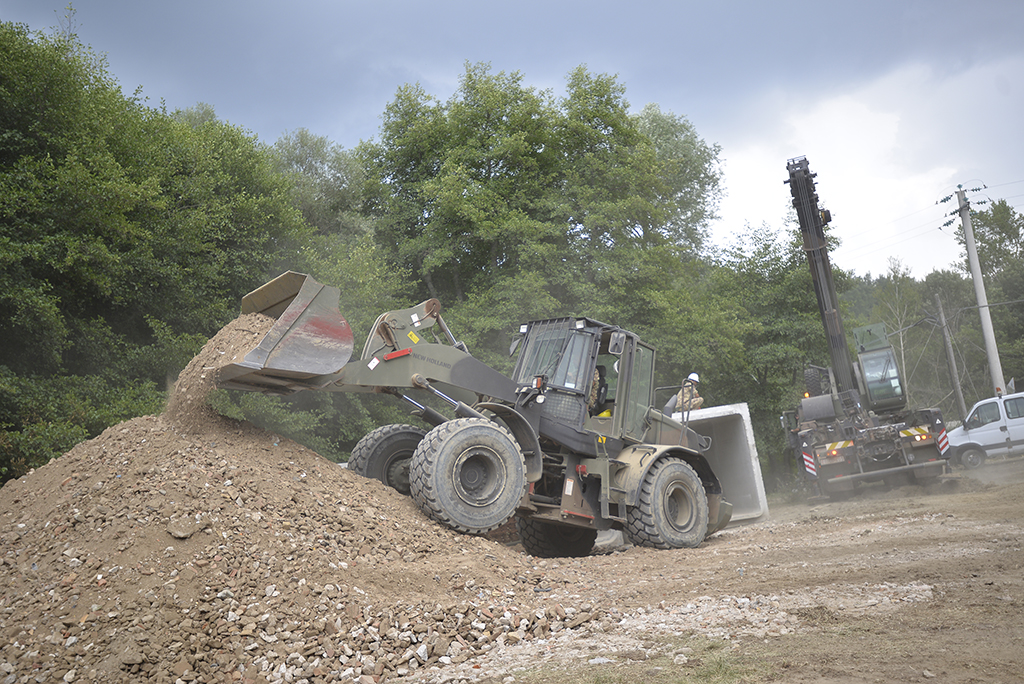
(896, 585)
(189, 548)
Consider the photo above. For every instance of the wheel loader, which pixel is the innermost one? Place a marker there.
(568, 446)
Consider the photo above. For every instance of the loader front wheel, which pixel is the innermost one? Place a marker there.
(386, 454)
(672, 508)
(468, 474)
(545, 540)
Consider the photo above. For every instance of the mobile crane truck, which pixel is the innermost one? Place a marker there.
(569, 445)
(853, 424)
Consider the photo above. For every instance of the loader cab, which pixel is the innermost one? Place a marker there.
(597, 378)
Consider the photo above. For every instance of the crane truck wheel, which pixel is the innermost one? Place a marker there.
(386, 453)
(468, 474)
(545, 540)
(972, 458)
(672, 508)
(813, 382)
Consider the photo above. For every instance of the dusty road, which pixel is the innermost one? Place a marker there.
(906, 585)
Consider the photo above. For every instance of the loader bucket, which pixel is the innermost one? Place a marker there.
(310, 340)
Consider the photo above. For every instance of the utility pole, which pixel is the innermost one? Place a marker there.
(953, 373)
(994, 366)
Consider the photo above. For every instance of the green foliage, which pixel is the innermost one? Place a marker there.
(326, 183)
(502, 182)
(126, 234)
(689, 173)
(47, 415)
(112, 213)
(35, 444)
(460, 190)
(766, 275)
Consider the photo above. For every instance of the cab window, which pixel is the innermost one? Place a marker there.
(561, 355)
(1015, 407)
(983, 415)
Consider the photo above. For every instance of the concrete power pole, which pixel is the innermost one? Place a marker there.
(995, 367)
(951, 359)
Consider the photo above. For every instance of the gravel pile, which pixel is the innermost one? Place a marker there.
(187, 547)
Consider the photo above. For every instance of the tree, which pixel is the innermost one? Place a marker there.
(689, 172)
(999, 235)
(127, 235)
(326, 183)
(765, 274)
(458, 189)
(936, 389)
(899, 307)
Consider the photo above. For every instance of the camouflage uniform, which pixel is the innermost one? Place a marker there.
(688, 399)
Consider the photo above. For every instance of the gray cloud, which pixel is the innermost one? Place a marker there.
(747, 74)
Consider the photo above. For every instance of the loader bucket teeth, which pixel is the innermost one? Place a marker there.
(310, 339)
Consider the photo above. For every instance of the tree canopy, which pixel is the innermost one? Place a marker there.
(128, 235)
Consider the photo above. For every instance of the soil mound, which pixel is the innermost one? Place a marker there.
(189, 547)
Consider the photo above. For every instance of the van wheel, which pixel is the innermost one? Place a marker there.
(972, 458)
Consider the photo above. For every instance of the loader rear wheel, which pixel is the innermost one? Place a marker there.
(672, 508)
(468, 474)
(386, 453)
(545, 540)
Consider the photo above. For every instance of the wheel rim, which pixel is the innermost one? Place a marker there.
(395, 473)
(680, 508)
(972, 459)
(479, 476)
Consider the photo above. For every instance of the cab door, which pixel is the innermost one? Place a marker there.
(986, 426)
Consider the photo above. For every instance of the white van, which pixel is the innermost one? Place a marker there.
(994, 428)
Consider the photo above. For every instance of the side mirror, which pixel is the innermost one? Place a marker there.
(515, 344)
(617, 343)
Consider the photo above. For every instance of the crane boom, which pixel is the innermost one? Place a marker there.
(812, 228)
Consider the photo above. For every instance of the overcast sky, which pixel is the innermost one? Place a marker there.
(893, 102)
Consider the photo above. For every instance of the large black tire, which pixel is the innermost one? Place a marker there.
(813, 381)
(972, 458)
(545, 540)
(468, 474)
(671, 510)
(386, 453)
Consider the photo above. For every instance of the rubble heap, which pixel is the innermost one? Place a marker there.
(190, 547)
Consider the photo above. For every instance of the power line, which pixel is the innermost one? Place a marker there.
(921, 229)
